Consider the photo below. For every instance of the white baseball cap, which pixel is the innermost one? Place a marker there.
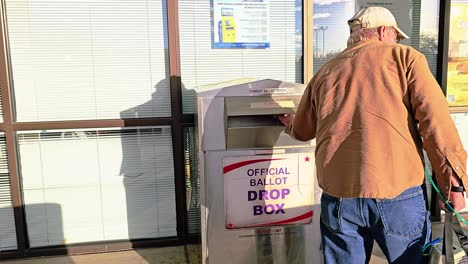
(372, 17)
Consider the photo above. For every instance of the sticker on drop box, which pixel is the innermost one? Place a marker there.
(263, 91)
(268, 190)
(272, 104)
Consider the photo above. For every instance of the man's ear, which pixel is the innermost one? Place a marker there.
(381, 30)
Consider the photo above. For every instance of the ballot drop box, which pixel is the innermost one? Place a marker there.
(260, 199)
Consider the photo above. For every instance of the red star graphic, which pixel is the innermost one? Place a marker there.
(230, 225)
(307, 159)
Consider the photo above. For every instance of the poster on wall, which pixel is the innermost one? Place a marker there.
(457, 68)
(268, 190)
(400, 9)
(241, 24)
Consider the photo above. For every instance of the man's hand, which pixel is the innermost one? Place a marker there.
(286, 119)
(456, 198)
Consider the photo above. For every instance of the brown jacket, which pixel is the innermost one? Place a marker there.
(368, 109)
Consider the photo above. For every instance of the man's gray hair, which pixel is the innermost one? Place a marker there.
(365, 34)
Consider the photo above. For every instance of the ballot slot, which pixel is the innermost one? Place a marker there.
(261, 105)
(257, 131)
(249, 121)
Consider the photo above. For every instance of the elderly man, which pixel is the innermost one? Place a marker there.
(371, 109)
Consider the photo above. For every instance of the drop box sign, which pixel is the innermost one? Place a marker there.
(268, 190)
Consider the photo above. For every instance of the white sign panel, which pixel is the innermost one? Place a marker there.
(241, 23)
(268, 190)
(400, 9)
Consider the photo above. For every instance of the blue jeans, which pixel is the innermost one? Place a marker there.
(400, 226)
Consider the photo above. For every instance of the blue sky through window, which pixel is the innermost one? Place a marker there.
(330, 24)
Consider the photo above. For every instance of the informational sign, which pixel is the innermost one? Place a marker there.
(241, 23)
(457, 68)
(268, 190)
(400, 9)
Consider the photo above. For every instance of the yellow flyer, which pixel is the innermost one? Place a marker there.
(457, 70)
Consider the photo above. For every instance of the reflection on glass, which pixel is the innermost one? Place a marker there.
(192, 180)
(331, 29)
(429, 34)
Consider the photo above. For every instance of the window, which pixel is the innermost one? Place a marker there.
(94, 185)
(202, 64)
(7, 220)
(88, 60)
(331, 29)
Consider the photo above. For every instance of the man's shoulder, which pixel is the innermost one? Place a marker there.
(408, 49)
(402, 49)
(398, 51)
(328, 67)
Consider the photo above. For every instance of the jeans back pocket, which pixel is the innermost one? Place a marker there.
(404, 215)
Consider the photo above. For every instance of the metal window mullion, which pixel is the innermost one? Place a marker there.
(177, 117)
(443, 43)
(11, 148)
(92, 124)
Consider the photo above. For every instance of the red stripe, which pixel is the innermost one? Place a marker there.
(234, 166)
(290, 220)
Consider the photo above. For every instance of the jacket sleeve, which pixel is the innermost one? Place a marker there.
(304, 123)
(439, 134)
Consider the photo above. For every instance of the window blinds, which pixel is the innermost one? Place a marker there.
(202, 65)
(88, 59)
(95, 185)
(7, 219)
